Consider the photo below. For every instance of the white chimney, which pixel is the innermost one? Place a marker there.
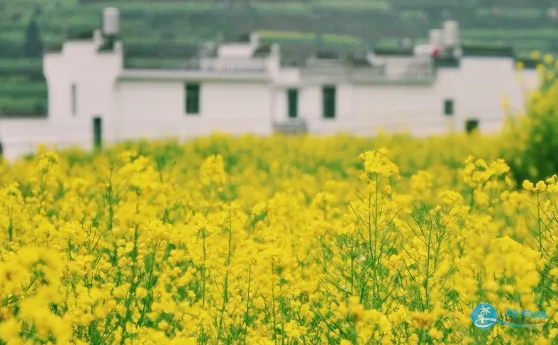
(451, 34)
(275, 49)
(254, 39)
(436, 38)
(111, 21)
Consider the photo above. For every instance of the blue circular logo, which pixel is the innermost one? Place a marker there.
(484, 316)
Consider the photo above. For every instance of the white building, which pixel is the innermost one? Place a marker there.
(247, 87)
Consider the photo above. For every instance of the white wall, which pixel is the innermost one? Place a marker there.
(157, 109)
(22, 136)
(399, 108)
(235, 50)
(365, 109)
(151, 104)
(94, 74)
(288, 77)
(477, 89)
(448, 87)
(484, 84)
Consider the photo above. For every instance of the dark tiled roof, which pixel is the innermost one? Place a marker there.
(298, 54)
(488, 51)
(358, 61)
(107, 46)
(79, 33)
(162, 50)
(393, 51)
(446, 62)
(242, 38)
(328, 55)
(528, 63)
(262, 50)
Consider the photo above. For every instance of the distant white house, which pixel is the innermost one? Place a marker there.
(247, 87)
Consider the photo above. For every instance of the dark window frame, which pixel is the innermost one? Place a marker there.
(449, 107)
(97, 131)
(192, 97)
(292, 103)
(329, 102)
(472, 125)
(74, 99)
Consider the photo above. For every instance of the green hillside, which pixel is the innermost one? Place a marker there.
(155, 30)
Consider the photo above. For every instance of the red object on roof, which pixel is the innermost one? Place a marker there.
(436, 52)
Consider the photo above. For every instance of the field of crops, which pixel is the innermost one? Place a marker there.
(527, 27)
(284, 240)
(278, 240)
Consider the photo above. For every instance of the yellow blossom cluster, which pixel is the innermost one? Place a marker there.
(268, 241)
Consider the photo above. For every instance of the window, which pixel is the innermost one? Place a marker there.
(97, 132)
(192, 98)
(448, 107)
(74, 99)
(292, 98)
(328, 95)
(471, 125)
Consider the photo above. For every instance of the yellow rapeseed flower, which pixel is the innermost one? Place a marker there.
(272, 240)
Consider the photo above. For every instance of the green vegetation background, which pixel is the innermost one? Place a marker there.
(155, 30)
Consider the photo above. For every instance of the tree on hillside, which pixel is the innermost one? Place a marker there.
(33, 45)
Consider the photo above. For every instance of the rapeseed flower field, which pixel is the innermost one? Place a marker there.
(275, 241)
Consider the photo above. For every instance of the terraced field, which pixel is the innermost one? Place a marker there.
(172, 29)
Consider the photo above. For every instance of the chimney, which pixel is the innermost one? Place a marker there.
(275, 50)
(254, 39)
(111, 22)
(450, 34)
